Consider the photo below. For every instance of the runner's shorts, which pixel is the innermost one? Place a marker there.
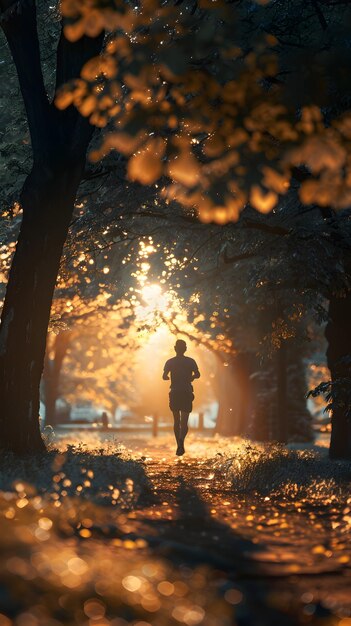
(181, 400)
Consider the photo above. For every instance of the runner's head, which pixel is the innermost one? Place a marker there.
(180, 346)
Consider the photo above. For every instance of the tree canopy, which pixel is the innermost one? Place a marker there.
(230, 100)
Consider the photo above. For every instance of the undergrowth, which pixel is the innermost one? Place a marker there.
(101, 475)
(274, 469)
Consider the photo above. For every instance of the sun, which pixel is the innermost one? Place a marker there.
(154, 299)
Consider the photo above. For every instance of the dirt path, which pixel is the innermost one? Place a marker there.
(290, 558)
(127, 534)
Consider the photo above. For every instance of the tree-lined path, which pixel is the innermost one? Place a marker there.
(175, 170)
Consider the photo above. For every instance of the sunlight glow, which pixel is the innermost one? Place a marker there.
(154, 297)
(154, 304)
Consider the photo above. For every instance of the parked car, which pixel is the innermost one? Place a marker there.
(86, 412)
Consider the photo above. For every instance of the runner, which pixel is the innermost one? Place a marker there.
(183, 371)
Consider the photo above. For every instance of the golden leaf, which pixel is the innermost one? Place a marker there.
(146, 165)
(214, 146)
(221, 215)
(185, 169)
(63, 99)
(123, 142)
(75, 31)
(263, 202)
(274, 180)
(87, 106)
(94, 23)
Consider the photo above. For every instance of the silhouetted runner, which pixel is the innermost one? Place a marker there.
(183, 371)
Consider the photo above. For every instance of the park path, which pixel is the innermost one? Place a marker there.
(285, 553)
(281, 559)
(195, 504)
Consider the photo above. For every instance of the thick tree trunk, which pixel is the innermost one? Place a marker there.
(226, 423)
(242, 372)
(281, 426)
(59, 143)
(280, 390)
(338, 335)
(264, 415)
(26, 310)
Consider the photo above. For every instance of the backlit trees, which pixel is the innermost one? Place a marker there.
(223, 103)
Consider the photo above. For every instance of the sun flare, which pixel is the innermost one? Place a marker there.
(153, 302)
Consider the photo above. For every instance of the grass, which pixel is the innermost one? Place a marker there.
(274, 469)
(100, 475)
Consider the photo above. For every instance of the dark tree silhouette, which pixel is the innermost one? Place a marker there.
(59, 144)
(338, 356)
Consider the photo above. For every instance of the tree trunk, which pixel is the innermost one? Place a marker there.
(234, 391)
(59, 144)
(281, 426)
(227, 398)
(264, 393)
(279, 390)
(338, 336)
(26, 311)
(242, 372)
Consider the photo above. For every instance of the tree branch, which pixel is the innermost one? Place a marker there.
(267, 228)
(323, 22)
(239, 257)
(175, 329)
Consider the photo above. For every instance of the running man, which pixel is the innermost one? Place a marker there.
(183, 371)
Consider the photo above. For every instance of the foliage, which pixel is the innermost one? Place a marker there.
(184, 268)
(96, 367)
(15, 142)
(208, 95)
(337, 393)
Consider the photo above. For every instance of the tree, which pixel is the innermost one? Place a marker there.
(338, 355)
(101, 357)
(59, 142)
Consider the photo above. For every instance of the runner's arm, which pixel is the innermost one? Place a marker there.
(166, 371)
(195, 372)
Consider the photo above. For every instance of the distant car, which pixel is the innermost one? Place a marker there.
(86, 412)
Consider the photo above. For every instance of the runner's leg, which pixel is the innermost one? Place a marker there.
(176, 416)
(184, 416)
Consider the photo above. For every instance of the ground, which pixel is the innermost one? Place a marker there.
(116, 533)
